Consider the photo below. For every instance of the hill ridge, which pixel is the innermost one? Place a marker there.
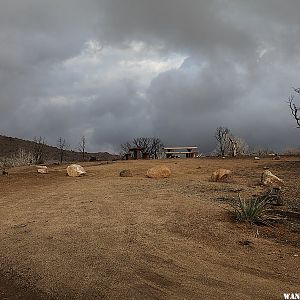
(11, 145)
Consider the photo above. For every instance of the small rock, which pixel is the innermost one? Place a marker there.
(42, 169)
(126, 173)
(220, 175)
(245, 243)
(256, 158)
(159, 172)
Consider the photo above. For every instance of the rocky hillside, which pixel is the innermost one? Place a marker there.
(10, 146)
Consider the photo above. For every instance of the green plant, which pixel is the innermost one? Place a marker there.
(250, 210)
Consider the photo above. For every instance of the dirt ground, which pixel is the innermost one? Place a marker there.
(106, 237)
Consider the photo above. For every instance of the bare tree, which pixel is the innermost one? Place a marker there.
(39, 150)
(156, 147)
(144, 143)
(22, 158)
(295, 110)
(236, 146)
(125, 148)
(242, 147)
(62, 146)
(232, 145)
(82, 147)
(221, 136)
(149, 145)
(228, 144)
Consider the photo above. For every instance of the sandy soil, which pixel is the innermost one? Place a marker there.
(106, 237)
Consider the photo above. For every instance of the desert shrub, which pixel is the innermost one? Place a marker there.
(262, 151)
(20, 158)
(250, 210)
(4, 164)
(292, 151)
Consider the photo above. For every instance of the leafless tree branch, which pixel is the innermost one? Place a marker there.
(39, 150)
(62, 146)
(82, 147)
(295, 110)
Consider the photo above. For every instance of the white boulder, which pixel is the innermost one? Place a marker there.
(75, 170)
(269, 179)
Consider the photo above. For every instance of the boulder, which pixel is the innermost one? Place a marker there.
(159, 172)
(269, 179)
(42, 169)
(75, 170)
(126, 173)
(220, 175)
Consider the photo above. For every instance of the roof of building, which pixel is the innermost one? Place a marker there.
(179, 148)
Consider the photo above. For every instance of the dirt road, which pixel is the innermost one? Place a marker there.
(106, 237)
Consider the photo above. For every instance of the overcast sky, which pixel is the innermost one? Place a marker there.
(116, 69)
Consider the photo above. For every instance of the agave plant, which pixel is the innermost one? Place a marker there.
(250, 210)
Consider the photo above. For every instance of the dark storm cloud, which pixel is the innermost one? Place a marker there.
(115, 69)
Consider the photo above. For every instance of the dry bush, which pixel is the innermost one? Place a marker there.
(4, 164)
(292, 151)
(20, 158)
(263, 151)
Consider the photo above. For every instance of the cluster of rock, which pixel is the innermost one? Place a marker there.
(72, 170)
(77, 170)
(267, 178)
(275, 157)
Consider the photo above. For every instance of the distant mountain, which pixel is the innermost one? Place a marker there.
(9, 146)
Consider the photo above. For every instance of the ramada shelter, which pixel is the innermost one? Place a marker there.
(188, 152)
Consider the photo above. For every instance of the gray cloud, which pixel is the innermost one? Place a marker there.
(116, 69)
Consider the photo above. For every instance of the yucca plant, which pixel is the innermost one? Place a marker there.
(250, 210)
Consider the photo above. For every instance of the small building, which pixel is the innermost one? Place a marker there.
(188, 152)
(136, 153)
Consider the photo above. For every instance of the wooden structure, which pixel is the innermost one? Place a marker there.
(173, 152)
(136, 153)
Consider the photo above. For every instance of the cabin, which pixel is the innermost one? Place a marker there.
(174, 152)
